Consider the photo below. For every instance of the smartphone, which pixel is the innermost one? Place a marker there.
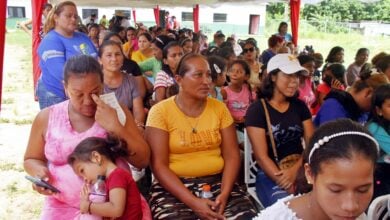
(42, 183)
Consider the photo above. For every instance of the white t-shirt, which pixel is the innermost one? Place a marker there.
(281, 211)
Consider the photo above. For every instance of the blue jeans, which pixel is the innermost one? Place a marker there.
(267, 190)
(45, 97)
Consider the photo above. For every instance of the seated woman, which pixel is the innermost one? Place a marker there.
(193, 143)
(144, 51)
(58, 129)
(122, 84)
(339, 165)
(280, 113)
(379, 127)
(354, 103)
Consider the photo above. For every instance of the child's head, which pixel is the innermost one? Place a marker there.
(171, 57)
(239, 72)
(362, 56)
(218, 70)
(381, 106)
(93, 30)
(186, 44)
(334, 71)
(336, 55)
(340, 162)
(91, 156)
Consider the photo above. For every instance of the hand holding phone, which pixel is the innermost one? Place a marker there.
(42, 183)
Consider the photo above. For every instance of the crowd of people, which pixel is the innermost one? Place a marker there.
(317, 129)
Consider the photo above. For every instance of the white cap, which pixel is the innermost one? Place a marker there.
(287, 63)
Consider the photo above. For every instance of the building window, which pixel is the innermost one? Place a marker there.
(16, 12)
(219, 17)
(87, 12)
(187, 16)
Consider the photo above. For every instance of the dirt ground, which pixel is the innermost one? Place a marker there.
(17, 199)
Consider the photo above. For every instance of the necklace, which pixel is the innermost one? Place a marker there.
(194, 129)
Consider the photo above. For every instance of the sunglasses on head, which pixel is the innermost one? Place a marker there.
(246, 50)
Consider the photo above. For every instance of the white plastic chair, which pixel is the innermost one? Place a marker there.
(250, 169)
(379, 208)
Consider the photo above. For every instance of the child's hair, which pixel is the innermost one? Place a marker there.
(361, 51)
(383, 63)
(332, 53)
(81, 65)
(339, 139)
(381, 94)
(342, 145)
(217, 66)
(147, 36)
(111, 34)
(106, 44)
(183, 41)
(338, 71)
(244, 65)
(165, 67)
(303, 59)
(377, 57)
(110, 147)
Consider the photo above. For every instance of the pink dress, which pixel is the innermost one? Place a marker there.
(61, 139)
(306, 93)
(238, 102)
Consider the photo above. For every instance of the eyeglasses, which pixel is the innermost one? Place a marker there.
(246, 50)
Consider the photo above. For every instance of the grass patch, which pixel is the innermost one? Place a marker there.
(19, 38)
(8, 101)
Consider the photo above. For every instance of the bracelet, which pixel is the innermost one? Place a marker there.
(140, 124)
(89, 207)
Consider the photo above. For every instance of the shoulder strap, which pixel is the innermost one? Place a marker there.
(267, 118)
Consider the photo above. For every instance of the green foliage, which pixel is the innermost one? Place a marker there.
(275, 10)
(348, 10)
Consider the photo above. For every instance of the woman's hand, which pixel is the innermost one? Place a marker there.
(84, 198)
(221, 201)
(105, 115)
(336, 84)
(286, 178)
(206, 209)
(44, 174)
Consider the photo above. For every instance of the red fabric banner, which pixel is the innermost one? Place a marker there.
(37, 9)
(156, 11)
(195, 16)
(294, 18)
(3, 8)
(134, 16)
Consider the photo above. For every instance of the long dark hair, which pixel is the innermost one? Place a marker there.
(165, 67)
(332, 53)
(110, 147)
(267, 87)
(81, 65)
(381, 94)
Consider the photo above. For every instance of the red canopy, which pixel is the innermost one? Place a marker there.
(3, 7)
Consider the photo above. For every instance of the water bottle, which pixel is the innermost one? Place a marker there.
(206, 192)
(97, 195)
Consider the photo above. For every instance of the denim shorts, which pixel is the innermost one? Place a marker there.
(45, 97)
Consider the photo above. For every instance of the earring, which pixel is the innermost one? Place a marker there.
(308, 182)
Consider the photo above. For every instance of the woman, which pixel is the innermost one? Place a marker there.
(165, 85)
(144, 51)
(306, 87)
(58, 129)
(336, 55)
(290, 121)
(132, 44)
(122, 84)
(383, 65)
(152, 66)
(353, 70)
(282, 32)
(60, 43)
(250, 54)
(379, 127)
(339, 165)
(274, 43)
(193, 143)
(354, 103)
(129, 66)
